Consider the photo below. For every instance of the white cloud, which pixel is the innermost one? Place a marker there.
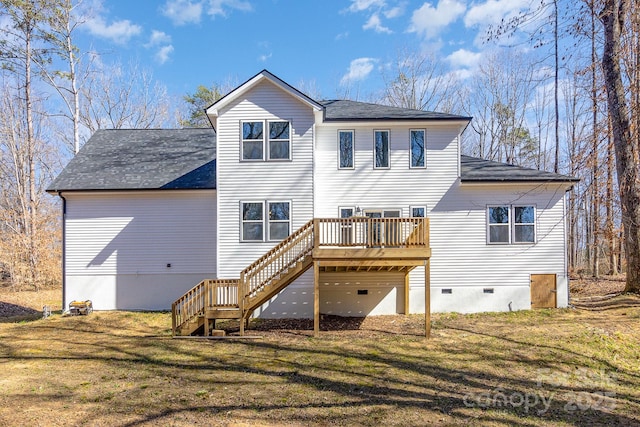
(375, 24)
(429, 20)
(342, 35)
(182, 12)
(119, 31)
(162, 55)
(394, 12)
(359, 69)
(463, 58)
(157, 38)
(221, 7)
(493, 11)
(360, 5)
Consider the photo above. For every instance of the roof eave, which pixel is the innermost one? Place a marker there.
(213, 109)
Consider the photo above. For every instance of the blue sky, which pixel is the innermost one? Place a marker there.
(325, 43)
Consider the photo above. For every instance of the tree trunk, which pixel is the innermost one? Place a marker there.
(612, 17)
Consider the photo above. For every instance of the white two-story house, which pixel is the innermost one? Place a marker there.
(336, 207)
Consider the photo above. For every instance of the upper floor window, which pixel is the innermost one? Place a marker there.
(508, 224)
(345, 149)
(276, 145)
(417, 140)
(252, 141)
(381, 148)
(279, 141)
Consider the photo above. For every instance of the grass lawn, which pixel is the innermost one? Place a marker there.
(568, 367)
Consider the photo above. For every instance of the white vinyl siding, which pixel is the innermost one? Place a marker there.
(261, 181)
(138, 249)
(462, 258)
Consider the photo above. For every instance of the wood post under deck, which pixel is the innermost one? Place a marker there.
(328, 244)
(427, 298)
(316, 298)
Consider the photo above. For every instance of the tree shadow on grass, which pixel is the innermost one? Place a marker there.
(11, 313)
(333, 381)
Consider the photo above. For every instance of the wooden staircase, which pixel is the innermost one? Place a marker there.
(348, 238)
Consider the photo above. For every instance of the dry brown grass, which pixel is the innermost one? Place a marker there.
(124, 369)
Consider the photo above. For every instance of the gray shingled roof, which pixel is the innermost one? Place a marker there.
(343, 110)
(474, 169)
(149, 159)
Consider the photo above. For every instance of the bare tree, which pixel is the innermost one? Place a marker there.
(419, 81)
(499, 96)
(117, 97)
(614, 16)
(23, 34)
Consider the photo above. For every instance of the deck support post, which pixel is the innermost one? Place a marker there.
(241, 292)
(316, 298)
(427, 298)
(406, 293)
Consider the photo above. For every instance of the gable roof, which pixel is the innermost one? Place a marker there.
(338, 110)
(473, 169)
(252, 82)
(150, 159)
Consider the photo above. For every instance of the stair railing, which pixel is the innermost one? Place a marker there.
(277, 261)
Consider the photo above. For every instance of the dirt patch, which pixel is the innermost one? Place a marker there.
(588, 287)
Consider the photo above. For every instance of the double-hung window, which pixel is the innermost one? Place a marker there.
(279, 141)
(345, 149)
(252, 141)
(252, 221)
(417, 151)
(511, 224)
(259, 225)
(274, 144)
(524, 224)
(279, 220)
(381, 148)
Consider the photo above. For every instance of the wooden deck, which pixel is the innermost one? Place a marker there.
(324, 244)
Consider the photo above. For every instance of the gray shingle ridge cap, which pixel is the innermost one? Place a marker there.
(420, 113)
(505, 172)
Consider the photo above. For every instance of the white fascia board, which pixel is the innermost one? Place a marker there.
(213, 110)
(383, 124)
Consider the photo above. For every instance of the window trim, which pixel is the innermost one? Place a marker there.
(412, 207)
(388, 149)
(268, 141)
(242, 220)
(340, 208)
(268, 220)
(353, 149)
(424, 149)
(511, 224)
(243, 140)
(535, 228)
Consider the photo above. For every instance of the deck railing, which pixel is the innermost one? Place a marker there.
(208, 293)
(355, 232)
(373, 232)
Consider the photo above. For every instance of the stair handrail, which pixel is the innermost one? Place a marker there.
(205, 294)
(272, 264)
